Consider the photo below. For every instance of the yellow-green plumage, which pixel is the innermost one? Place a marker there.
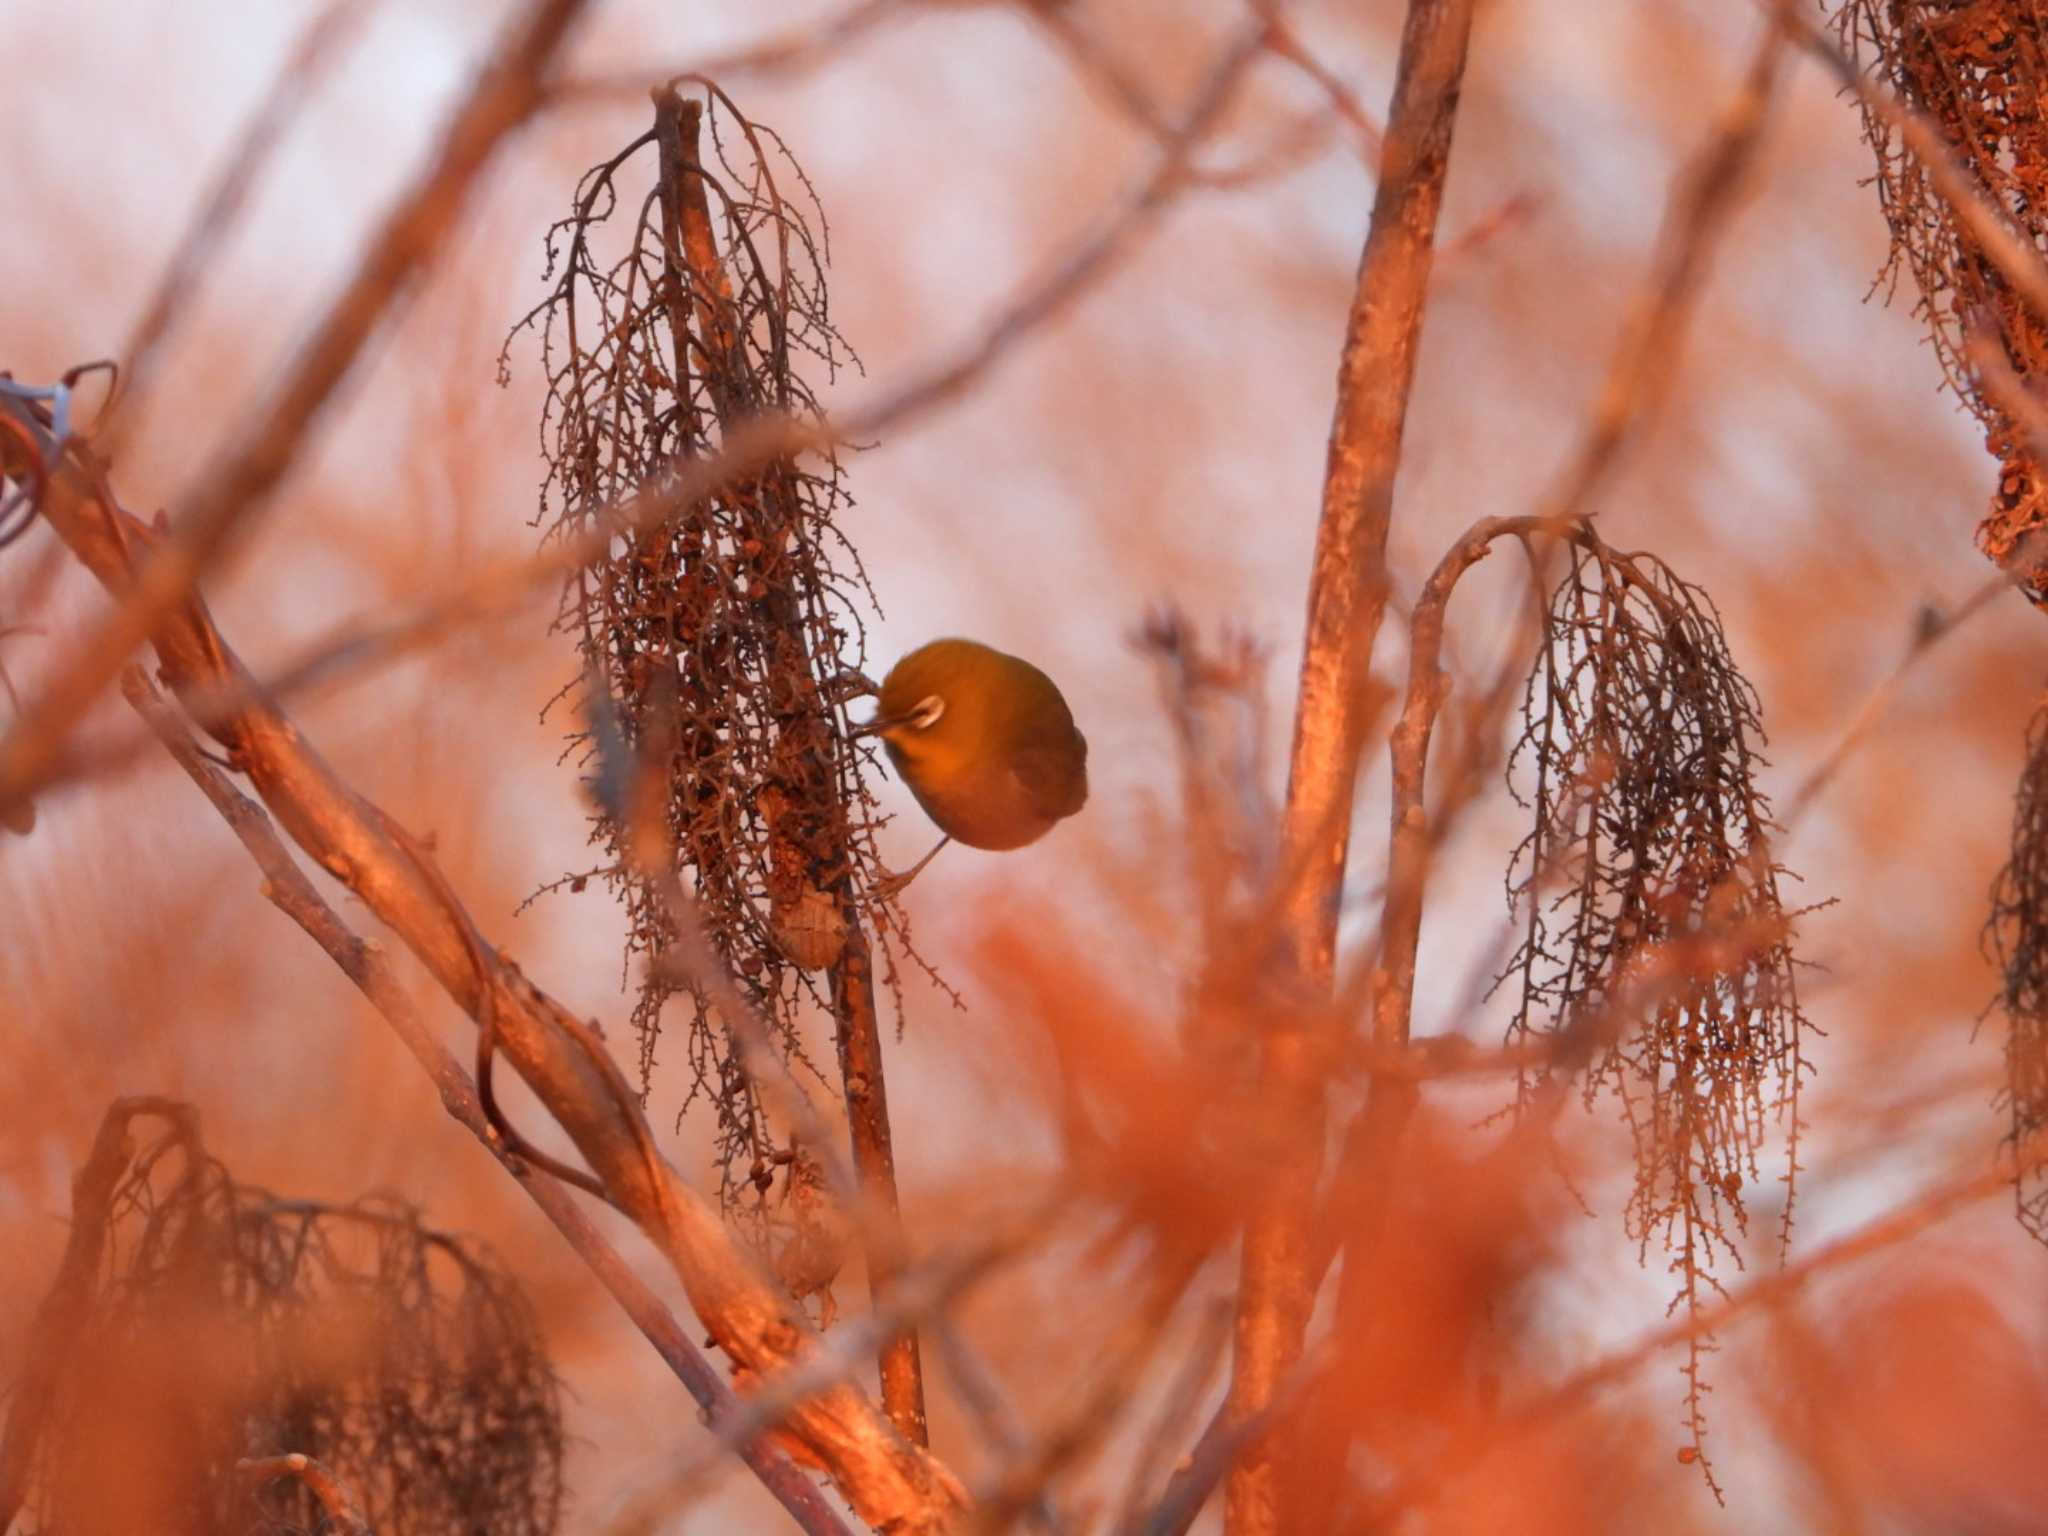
(997, 760)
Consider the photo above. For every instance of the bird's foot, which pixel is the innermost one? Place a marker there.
(890, 886)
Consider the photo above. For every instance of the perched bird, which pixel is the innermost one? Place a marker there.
(985, 742)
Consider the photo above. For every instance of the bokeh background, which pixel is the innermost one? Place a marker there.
(1161, 439)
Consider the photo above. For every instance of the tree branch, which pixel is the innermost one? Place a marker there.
(1347, 596)
(288, 888)
(891, 1484)
(250, 468)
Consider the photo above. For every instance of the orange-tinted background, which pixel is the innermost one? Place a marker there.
(1162, 438)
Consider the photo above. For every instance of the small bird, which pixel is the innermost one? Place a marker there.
(986, 743)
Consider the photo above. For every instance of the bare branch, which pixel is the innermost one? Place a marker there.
(1347, 596)
(1930, 628)
(1371, 143)
(1646, 361)
(568, 1067)
(287, 887)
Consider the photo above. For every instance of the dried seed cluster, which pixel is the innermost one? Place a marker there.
(721, 630)
(1976, 68)
(227, 1323)
(1656, 955)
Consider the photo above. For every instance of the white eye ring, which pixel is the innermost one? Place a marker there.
(927, 712)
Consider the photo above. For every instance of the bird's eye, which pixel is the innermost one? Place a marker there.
(927, 713)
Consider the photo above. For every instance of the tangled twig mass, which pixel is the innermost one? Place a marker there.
(1656, 946)
(221, 1323)
(726, 637)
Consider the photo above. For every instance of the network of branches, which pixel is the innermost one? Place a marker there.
(1656, 951)
(225, 1323)
(722, 636)
(2018, 934)
(1978, 72)
(720, 639)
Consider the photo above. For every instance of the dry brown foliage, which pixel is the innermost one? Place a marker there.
(712, 628)
(1651, 851)
(1975, 71)
(221, 1323)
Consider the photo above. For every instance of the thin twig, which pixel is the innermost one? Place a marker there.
(344, 1510)
(1371, 142)
(1702, 206)
(1930, 629)
(319, 45)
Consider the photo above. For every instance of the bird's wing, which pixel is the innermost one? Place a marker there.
(1054, 779)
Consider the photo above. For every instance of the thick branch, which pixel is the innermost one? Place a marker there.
(893, 1486)
(1348, 583)
(288, 888)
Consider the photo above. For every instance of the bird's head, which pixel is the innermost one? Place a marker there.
(923, 710)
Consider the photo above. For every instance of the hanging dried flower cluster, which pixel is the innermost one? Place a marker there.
(721, 632)
(1656, 955)
(1977, 70)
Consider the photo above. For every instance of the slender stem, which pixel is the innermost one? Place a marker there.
(701, 276)
(1347, 597)
(874, 1160)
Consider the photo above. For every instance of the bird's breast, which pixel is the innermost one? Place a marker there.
(983, 806)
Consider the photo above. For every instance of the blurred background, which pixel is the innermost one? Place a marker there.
(1161, 439)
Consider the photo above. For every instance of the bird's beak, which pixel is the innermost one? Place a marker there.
(881, 725)
(920, 715)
